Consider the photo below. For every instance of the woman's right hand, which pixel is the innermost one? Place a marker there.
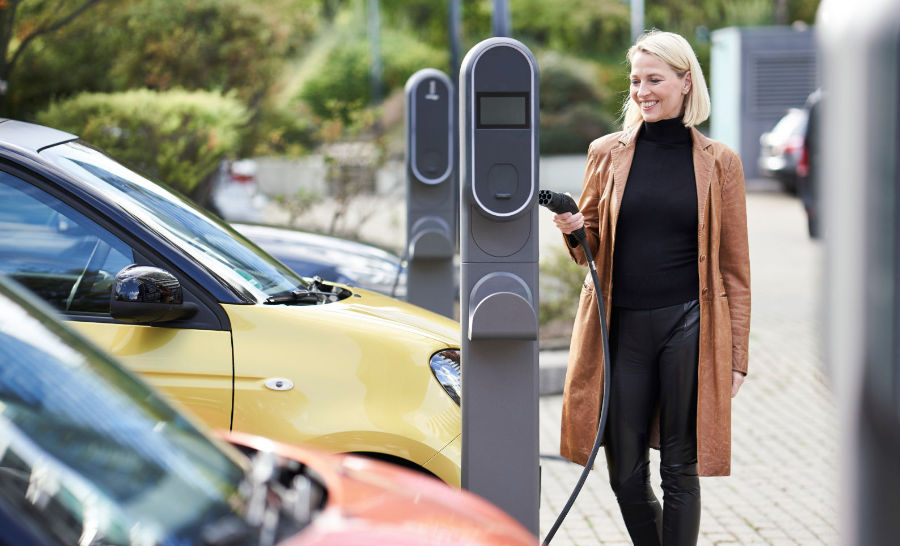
(568, 222)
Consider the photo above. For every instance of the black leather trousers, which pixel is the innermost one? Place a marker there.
(654, 356)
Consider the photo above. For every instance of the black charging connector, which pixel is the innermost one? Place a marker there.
(560, 203)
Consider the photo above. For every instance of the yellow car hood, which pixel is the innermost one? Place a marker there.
(393, 313)
(365, 312)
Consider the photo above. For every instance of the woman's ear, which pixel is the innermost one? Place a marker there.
(687, 83)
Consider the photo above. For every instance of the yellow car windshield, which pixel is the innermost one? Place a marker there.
(205, 238)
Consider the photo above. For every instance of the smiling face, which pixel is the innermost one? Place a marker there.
(656, 88)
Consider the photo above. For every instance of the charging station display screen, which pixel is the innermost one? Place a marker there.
(502, 111)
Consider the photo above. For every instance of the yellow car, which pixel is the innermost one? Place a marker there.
(214, 321)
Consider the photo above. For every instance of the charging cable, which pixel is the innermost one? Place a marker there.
(560, 203)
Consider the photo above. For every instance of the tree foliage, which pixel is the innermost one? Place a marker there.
(21, 23)
(343, 86)
(224, 45)
(586, 28)
(228, 45)
(261, 52)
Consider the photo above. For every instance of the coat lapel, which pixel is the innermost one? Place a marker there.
(704, 163)
(622, 157)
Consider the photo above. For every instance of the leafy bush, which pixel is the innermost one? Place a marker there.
(560, 288)
(280, 129)
(572, 105)
(343, 86)
(176, 137)
(572, 130)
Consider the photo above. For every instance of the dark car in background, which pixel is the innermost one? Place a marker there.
(781, 148)
(810, 162)
(90, 454)
(331, 258)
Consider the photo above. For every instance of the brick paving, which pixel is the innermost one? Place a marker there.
(784, 484)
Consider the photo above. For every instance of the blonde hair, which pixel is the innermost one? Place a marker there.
(676, 52)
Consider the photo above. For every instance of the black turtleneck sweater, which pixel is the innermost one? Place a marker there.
(655, 257)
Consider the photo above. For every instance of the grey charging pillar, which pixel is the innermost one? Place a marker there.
(860, 179)
(431, 193)
(499, 276)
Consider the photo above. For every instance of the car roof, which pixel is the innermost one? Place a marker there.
(31, 137)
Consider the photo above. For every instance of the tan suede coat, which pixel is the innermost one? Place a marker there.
(723, 263)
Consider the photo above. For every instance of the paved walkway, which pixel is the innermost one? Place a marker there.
(784, 488)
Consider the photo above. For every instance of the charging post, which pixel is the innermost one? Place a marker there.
(431, 193)
(499, 276)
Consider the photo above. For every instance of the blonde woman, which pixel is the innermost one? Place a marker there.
(664, 208)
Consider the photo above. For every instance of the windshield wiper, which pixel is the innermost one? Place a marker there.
(319, 293)
(306, 297)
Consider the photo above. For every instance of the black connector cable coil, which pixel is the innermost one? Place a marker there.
(560, 203)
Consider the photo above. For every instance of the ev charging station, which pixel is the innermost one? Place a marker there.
(499, 276)
(431, 192)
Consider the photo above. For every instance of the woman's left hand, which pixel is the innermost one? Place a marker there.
(737, 379)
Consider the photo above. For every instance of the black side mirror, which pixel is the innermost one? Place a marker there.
(146, 294)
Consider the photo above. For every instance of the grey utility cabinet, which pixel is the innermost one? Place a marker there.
(756, 74)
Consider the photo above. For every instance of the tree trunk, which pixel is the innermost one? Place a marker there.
(781, 12)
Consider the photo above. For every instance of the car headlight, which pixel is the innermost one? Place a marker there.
(445, 367)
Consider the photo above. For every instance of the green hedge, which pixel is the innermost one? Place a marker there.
(343, 86)
(175, 137)
(573, 105)
(573, 129)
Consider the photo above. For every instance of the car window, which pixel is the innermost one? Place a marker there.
(209, 241)
(57, 252)
(94, 455)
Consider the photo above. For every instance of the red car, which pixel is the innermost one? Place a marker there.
(370, 502)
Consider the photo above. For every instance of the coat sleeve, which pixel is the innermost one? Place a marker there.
(734, 261)
(591, 190)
